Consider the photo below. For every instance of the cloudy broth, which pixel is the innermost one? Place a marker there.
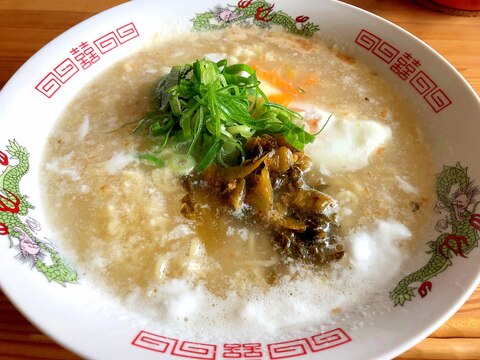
(120, 217)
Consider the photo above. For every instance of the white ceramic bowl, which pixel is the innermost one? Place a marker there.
(86, 322)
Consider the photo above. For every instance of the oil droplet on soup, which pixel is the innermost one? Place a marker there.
(120, 217)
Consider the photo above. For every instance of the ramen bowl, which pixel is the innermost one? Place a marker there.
(436, 279)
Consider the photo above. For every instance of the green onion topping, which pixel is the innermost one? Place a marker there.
(209, 110)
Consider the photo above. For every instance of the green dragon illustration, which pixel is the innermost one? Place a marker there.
(13, 206)
(455, 194)
(249, 12)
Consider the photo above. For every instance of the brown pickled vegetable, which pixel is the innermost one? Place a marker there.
(270, 188)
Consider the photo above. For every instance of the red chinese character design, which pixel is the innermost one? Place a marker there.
(85, 55)
(65, 70)
(107, 42)
(386, 52)
(127, 33)
(367, 40)
(242, 351)
(405, 66)
(437, 100)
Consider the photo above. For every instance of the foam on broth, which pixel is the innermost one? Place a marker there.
(120, 218)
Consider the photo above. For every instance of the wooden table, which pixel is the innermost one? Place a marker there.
(27, 25)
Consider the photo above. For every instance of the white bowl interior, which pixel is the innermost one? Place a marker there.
(447, 107)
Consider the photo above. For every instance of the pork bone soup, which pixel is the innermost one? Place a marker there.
(143, 221)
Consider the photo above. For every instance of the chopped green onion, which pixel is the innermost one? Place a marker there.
(212, 109)
(181, 164)
(153, 159)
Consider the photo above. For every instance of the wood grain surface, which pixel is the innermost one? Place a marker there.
(27, 25)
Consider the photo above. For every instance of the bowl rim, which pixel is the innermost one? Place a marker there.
(398, 349)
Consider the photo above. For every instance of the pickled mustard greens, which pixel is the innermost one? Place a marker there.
(249, 152)
(211, 109)
(273, 189)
